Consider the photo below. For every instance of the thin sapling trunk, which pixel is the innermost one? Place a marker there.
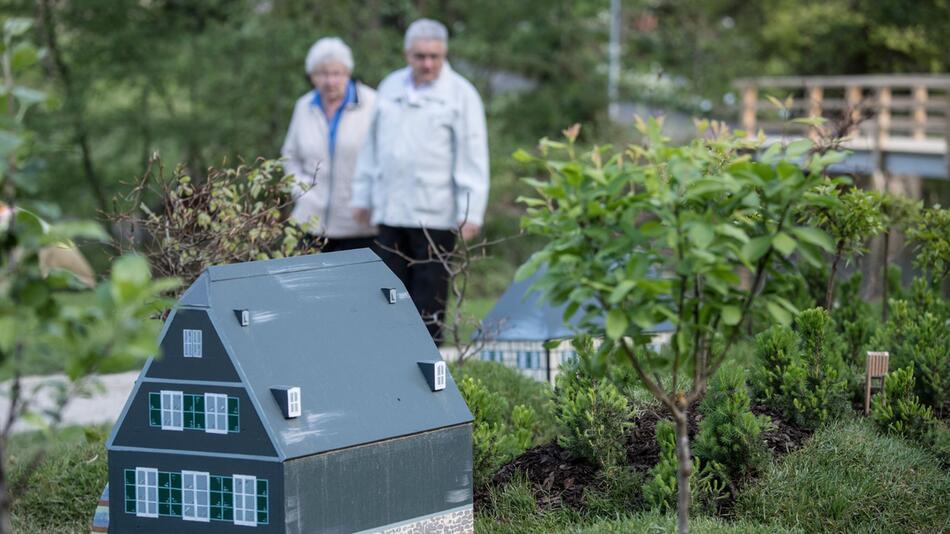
(830, 292)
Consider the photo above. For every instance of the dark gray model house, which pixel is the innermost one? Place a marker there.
(298, 395)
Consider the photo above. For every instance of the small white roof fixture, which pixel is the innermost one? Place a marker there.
(390, 294)
(243, 317)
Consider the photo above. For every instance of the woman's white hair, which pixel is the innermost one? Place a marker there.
(329, 49)
(426, 30)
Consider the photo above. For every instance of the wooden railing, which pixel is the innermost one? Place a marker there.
(881, 113)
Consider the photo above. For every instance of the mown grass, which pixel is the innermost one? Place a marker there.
(850, 478)
(61, 494)
(513, 510)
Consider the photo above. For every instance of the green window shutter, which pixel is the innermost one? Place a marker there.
(130, 491)
(155, 409)
(262, 501)
(234, 416)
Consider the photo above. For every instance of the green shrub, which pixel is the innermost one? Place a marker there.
(660, 490)
(802, 374)
(516, 389)
(898, 411)
(494, 439)
(594, 416)
(850, 478)
(729, 433)
(916, 335)
(855, 321)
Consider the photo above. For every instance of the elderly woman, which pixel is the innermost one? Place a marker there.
(325, 136)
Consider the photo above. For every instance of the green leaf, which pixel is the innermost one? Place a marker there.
(778, 313)
(731, 315)
(814, 236)
(733, 231)
(797, 149)
(756, 248)
(701, 234)
(621, 291)
(522, 156)
(616, 323)
(783, 243)
(9, 142)
(529, 267)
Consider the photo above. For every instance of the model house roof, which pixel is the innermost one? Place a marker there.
(324, 323)
(521, 314)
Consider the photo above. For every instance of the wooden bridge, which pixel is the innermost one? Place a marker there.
(897, 125)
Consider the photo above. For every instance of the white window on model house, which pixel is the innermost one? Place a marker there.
(439, 375)
(171, 410)
(293, 402)
(146, 492)
(192, 343)
(216, 413)
(245, 500)
(194, 496)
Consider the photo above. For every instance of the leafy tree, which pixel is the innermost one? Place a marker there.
(930, 235)
(46, 310)
(851, 221)
(899, 214)
(657, 233)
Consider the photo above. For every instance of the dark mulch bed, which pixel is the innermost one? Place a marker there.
(643, 452)
(784, 436)
(558, 478)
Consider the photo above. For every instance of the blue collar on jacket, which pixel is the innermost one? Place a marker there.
(334, 122)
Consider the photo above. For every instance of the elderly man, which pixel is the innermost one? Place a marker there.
(424, 167)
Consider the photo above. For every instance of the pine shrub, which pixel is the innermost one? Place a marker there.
(594, 416)
(899, 411)
(729, 433)
(494, 440)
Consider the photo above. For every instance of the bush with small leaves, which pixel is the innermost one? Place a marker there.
(916, 335)
(595, 418)
(494, 441)
(802, 374)
(899, 411)
(729, 433)
(660, 489)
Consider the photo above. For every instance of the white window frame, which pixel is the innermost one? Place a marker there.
(216, 413)
(239, 500)
(191, 493)
(293, 402)
(174, 421)
(439, 380)
(191, 343)
(146, 492)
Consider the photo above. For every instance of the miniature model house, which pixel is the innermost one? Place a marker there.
(298, 395)
(519, 325)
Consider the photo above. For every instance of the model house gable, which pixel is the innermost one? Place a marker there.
(192, 349)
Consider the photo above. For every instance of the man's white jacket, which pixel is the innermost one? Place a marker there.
(425, 161)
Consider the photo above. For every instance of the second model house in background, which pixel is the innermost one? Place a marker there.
(515, 331)
(298, 395)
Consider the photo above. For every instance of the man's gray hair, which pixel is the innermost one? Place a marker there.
(328, 49)
(426, 30)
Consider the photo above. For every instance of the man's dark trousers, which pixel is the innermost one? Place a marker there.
(427, 282)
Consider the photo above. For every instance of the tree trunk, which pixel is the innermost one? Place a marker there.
(830, 292)
(684, 468)
(884, 278)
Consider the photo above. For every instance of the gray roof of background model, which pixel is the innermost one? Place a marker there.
(521, 314)
(322, 322)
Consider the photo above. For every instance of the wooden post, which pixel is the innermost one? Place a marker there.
(920, 113)
(815, 94)
(750, 95)
(877, 363)
(852, 95)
